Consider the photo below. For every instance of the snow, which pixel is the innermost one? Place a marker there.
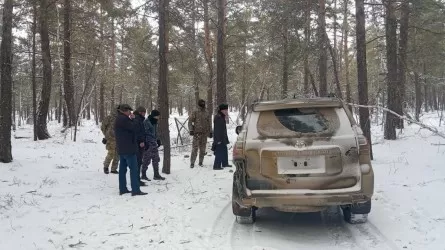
(55, 196)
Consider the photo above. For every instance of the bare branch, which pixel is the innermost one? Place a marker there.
(432, 129)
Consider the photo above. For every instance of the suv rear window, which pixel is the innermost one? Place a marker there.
(296, 122)
(302, 120)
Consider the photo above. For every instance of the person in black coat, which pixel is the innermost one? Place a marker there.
(126, 133)
(220, 138)
(139, 117)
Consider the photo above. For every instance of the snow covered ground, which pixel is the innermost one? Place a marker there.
(55, 196)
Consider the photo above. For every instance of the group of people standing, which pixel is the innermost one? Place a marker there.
(132, 141)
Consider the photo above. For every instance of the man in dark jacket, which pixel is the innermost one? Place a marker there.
(139, 117)
(152, 143)
(125, 130)
(220, 138)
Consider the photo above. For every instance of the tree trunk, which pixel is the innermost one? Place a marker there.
(307, 40)
(323, 59)
(285, 72)
(33, 72)
(391, 55)
(209, 60)
(335, 29)
(13, 108)
(103, 74)
(96, 114)
(195, 60)
(403, 46)
(345, 53)
(163, 101)
(418, 89)
(6, 83)
(336, 75)
(67, 77)
(244, 80)
(425, 89)
(45, 97)
(221, 55)
(362, 72)
(113, 65)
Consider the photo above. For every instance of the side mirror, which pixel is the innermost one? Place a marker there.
(238, 129)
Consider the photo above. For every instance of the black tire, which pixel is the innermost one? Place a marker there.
(244, 215)
(247, 219)
(357, 213)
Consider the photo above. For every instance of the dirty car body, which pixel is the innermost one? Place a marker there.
(302, 155)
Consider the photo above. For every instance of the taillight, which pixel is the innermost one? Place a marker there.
(238, 150)
(364, 150)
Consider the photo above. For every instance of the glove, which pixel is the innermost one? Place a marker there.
(211, 135)
(104, 141)
(159, 143)
(192, 133)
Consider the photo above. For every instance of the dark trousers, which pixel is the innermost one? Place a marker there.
(221, 156)
(151, 155)
(139, 156)
(131, 162)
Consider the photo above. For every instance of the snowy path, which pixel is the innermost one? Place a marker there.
(55, 196)
(276, 230)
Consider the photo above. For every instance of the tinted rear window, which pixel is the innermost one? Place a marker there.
(296, 122)
(302, 120)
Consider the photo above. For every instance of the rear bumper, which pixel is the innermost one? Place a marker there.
(305, 200)
(303, 203)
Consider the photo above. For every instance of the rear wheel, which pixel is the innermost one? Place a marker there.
(250, 219)
(357, 213)
(244, 215)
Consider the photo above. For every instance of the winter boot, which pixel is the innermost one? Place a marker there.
(200, 164)
(106, 171)
(138, 193)
(144, 176)
(192, 165)
(157, 176)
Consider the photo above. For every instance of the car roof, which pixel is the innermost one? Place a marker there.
(320, 102)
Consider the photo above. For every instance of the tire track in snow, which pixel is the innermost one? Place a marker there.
(340, 234)
(370, 233)
(275, 230)
(221, 228)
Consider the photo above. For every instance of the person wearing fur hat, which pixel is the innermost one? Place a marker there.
(220, 138)
(152, 143)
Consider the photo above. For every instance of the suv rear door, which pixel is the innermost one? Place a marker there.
(299, 147)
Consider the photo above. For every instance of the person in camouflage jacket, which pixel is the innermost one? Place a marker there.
(200, 128)
(112, 157)
(152, 143)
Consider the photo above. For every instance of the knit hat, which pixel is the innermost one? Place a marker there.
(155, 113)
(223, 106)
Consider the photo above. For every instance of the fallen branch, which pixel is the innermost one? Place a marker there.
(432, 129)
(145, 227)
(78, 244)
(117, 234)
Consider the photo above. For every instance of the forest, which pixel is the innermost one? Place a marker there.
(67, 61)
